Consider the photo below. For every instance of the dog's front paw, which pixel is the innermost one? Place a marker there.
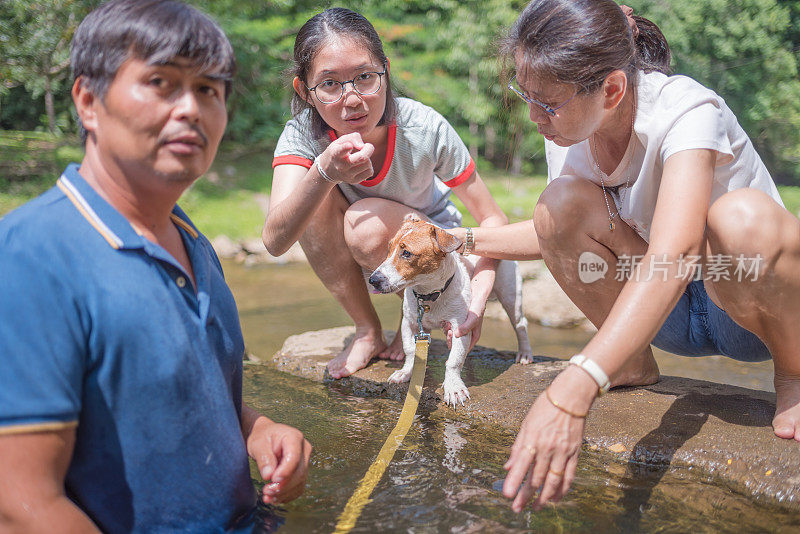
(454, 391)
(525, 357)
(400, 376)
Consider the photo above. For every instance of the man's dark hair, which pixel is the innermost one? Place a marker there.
(155, 31)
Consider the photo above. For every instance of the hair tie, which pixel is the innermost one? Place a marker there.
(628, 11)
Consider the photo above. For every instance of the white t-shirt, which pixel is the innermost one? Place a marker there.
(425, 157)
(673, 113)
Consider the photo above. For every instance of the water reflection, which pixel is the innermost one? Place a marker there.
(453, 442)
(447, 476)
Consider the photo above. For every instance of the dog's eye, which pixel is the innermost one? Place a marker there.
(405, 254)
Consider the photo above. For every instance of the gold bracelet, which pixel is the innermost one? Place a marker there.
(469, 243)
(557, 405)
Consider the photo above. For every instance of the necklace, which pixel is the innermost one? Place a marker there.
(601, 173)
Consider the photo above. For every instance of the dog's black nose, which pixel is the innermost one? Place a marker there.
(376, 280)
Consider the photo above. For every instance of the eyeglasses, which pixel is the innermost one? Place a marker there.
(331, 91)
(550, 110)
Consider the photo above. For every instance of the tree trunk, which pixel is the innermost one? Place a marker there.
(516, 159)
(473, 126)
(491, 143)
(48, 105)
(473, 145)
(516, 164)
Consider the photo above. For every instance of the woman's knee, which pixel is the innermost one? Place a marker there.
(564, 207)
(365, 228)
(748, 221)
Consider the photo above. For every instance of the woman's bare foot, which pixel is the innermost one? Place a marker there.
(786, 423)
(395, 349)
(365, 345)
(641, 371)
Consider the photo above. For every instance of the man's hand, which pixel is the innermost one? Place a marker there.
(281, 453)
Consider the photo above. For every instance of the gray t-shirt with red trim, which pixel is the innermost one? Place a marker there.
(425, 157)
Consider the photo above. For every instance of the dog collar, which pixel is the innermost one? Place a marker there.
(435, 295)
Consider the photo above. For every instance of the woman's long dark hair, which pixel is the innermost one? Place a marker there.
(580, 42)
(316, 33)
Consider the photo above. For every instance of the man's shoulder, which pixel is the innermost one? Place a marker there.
(35, 240)
(37, 222)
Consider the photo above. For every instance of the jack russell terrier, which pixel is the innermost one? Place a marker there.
(422, 261)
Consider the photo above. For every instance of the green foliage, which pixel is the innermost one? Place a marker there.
(443, 53)
(747, 51)
(260, 104)
(30, 163)
(35, 49)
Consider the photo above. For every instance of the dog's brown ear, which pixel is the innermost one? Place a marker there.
(446, 242)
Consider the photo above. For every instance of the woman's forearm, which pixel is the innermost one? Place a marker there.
(482, 282)
(289, 218)
(516, 241)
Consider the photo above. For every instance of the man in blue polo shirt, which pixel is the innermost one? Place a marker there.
(120, 346)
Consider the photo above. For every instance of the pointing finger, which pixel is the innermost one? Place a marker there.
(362, 155)
(354, 139)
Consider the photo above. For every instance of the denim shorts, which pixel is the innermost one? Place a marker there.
(698, 327)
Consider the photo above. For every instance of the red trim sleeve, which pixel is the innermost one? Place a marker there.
(292, 160)
(463, 177)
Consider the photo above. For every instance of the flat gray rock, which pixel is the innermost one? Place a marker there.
(724, 431)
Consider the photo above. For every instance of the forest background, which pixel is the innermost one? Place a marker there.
(443, 53)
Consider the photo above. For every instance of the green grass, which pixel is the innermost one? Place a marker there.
(226, 200)
(516, 196)
(30, 163)
(791, 198)
(236, 214)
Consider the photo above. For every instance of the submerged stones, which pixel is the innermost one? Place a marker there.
(721, 431)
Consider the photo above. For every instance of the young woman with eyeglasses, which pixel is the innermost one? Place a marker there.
(650, 175)
(352, 163)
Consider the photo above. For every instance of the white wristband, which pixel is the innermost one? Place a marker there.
(323, 173)
(594, 370)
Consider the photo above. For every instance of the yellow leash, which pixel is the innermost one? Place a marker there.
(360, 498)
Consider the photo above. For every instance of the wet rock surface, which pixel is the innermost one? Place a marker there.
(720, 432)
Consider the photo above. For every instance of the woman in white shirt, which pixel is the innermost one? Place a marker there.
(649, 176)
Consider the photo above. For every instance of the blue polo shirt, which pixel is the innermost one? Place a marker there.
(102, 330)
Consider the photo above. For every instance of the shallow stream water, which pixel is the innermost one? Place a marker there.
(447, 475)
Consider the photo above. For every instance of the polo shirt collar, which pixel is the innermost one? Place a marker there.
(105, 218)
